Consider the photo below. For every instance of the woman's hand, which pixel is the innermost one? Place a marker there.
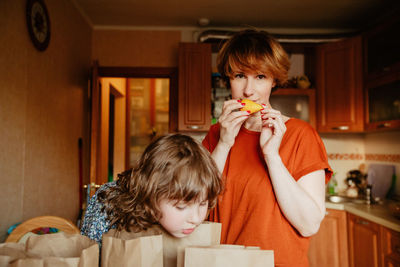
(272, 131)
(231, 121)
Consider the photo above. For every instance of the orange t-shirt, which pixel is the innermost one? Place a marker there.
(247, 209)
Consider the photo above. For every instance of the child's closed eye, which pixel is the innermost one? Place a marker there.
(180, 207)
(204, 203)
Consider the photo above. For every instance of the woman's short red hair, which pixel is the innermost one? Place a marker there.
(252, 50)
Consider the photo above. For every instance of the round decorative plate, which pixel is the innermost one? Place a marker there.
(38, 23)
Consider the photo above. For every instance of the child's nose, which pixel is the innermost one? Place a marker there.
(195, 215)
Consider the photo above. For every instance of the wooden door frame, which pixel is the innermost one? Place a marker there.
(94, 127)
(146, 72)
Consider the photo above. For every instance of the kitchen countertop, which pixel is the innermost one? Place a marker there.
(377, 213)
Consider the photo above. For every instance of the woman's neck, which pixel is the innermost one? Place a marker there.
(253, 123)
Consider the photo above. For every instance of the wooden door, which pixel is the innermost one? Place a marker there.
(364, 242)
(328, 247)
(94, 130)
(339, 86)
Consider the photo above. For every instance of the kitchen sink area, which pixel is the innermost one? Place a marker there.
(342, 199)
(383, 212)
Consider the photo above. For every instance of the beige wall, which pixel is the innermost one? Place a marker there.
(136, 48)
(43, 113)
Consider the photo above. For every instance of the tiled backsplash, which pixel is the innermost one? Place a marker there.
(383, 157)
(345, 156)
(350, 151)
(373, 157)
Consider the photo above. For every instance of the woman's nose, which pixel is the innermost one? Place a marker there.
(248, 89)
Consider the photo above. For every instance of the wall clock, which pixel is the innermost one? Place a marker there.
(38, 22)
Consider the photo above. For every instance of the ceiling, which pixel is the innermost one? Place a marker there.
(304, 16)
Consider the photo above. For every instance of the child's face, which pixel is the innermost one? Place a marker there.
(181, 219)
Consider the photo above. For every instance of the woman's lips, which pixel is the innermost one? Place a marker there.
(188, 231)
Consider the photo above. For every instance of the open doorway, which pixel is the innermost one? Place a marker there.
(148, 105)
(136, 105)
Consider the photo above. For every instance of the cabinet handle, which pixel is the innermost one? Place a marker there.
(341, 128)
(384, 125)
(362, 222)
(194, 127)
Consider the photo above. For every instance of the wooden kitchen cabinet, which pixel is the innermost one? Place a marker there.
(340, 106)
(329, 247)
(382, 103)
(381, 49)
(390, 247)
(364, 242)
(382, 76)
(194, 112)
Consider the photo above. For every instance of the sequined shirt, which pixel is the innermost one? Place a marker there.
(95, 222)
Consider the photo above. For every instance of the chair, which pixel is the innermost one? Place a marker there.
(61, 224)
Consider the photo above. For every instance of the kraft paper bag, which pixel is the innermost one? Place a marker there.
(10, 252)
(60, 249)
(119, 250)
(228, 255)
(206, 234)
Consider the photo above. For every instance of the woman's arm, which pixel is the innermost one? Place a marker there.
(230, 123)
(302, 202)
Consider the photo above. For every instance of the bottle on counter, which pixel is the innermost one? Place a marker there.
(332, 184)
(368, 194)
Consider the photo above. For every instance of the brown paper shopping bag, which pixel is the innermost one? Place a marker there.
(10, 252)
(121, 250)
(60, 249)
(205, 234)
(228, 255)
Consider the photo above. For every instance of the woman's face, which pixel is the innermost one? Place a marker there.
(181, 219)
(255, 86)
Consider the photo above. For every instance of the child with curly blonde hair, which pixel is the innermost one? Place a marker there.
(174, 184)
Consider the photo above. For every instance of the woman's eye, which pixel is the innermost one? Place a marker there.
(239, 75)
(261, 76)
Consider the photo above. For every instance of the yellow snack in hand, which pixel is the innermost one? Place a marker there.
(251, 106)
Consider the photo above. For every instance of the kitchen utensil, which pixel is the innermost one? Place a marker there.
(380, 177)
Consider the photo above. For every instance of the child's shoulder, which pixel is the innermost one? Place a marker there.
(106, 186)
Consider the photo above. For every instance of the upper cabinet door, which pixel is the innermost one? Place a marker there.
(382, 76)
(381, 49)
(194, 87)
(339, 86)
